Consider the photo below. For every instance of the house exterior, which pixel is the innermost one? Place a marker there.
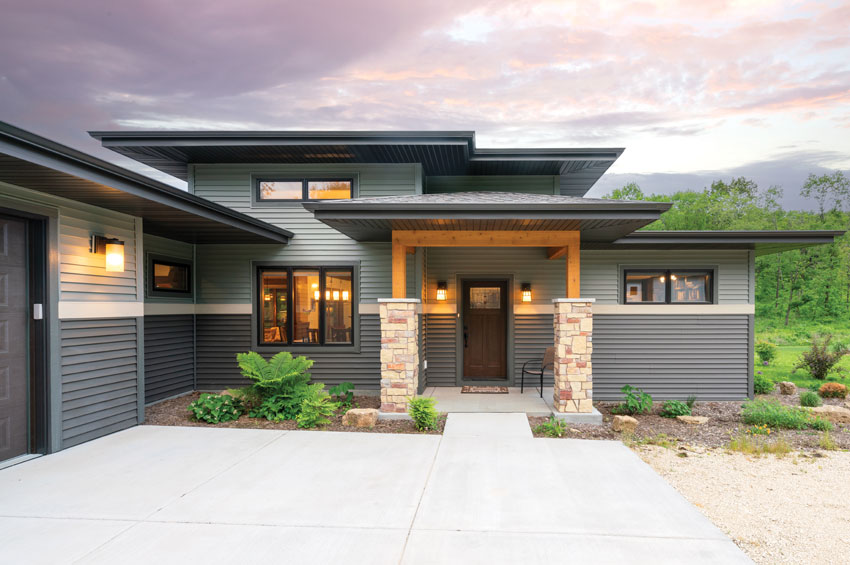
(394, 260)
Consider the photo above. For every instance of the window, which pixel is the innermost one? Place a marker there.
(170, 277)
(303, 189)
(306, 305)
(668, 286)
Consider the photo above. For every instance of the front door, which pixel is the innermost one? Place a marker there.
(14, 380)
(485, 318)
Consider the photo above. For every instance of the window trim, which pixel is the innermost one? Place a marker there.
(150, 287)
(710, 291)
(257, 267)
(305, 192)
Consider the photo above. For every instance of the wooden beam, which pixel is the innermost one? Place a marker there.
(495, 238)
(410, 250)
(399, 271)
(574, 271)
(556, 252)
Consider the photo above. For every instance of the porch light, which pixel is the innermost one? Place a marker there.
(112, 248)
(526, 292)
(442, 290)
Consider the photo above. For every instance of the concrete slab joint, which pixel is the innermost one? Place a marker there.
(399, 352)
(573, 325)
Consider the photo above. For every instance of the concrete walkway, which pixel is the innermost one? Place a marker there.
(485, 492)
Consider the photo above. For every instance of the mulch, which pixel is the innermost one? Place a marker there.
(723, 425)
(175, 412)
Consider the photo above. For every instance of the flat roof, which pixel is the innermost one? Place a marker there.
(763, 242)
(37, 163)
(441, 153)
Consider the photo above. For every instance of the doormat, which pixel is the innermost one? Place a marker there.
(485, 389)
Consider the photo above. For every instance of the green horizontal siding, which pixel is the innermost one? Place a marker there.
(535, 184)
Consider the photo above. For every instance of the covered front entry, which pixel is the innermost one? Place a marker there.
(484, 323)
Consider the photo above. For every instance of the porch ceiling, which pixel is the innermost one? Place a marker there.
(374, 219)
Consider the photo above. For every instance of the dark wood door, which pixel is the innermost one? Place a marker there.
(485, 318)
(14, 382)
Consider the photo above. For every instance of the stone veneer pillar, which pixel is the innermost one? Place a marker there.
(399, 352)
(573, 347)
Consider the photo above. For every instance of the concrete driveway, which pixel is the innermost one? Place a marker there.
(485, 492)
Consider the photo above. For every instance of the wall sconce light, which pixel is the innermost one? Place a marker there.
(112, 248)
(442, 290)
(526, 292)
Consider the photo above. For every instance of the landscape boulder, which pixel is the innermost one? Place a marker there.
(624, 424)
(361, 418)
(835, 414)
(694, 420)
(787, 388)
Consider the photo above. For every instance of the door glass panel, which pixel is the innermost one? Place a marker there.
(690, 287)
(338, 306)
(306, 304)
(645, 287)
(485, 298)
(275, 288)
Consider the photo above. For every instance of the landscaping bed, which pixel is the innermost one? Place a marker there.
(175, 412)
(725, 423)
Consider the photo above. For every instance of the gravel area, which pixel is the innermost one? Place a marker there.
(174, 412)
(792, 509)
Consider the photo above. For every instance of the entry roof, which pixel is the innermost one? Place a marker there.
(33, 162)
(373, 219)
(439, 152)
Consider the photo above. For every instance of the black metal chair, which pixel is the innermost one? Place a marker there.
(538, 367)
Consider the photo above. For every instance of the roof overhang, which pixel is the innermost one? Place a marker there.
(374, 219)
(36, 163)
(440, 152)
(762, 242)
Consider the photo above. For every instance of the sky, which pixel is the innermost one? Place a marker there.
(694, 91)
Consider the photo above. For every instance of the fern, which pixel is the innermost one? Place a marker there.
(281, 375)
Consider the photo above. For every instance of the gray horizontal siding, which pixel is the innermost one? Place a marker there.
(99, 378)
(441, 349)
(169, 356)
(672, 356)
(536, 184)
(163, 247)
(221, 337)
(532, 335)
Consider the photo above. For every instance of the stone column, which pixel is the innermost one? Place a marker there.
(573, 347)
(399, 352)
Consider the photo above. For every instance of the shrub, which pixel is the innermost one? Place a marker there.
(766, 351)
(692, 399)
(775, 415)
(343, 394)
(826, 442)
(762, 384)
(758, 446)
(552, 428)
(278, 376)
(246, 395)
(821, 425)
(673, 408)
(421, 409)
(635, 402)
(821, 359)
(810, 399)
(216, 408)
(316, 409)
(833, 390)
(285, 406)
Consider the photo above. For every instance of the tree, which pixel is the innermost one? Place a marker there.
(630, 191)
(828, 191)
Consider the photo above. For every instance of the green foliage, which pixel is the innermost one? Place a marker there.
(277, 376)
(833, 390)
(287, 405)
(247, 395)
(343, 394)
(826, 442)
(775, 415)
(821, 359)
(673, 408)
(692, 399)
(216, 408)
(421, 409)
(552, 428)
(810, 399)
(751, 445)
(821, 424)
(762, 384)
(636, 402)
(759, 430)
(766, 351)
(316, 409)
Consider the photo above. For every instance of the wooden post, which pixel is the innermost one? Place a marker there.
(399, 270)
(574, 270)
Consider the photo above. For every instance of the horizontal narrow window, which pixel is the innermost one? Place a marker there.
(668, 286)
(168, 276)
(306, 305)
(304, 189)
